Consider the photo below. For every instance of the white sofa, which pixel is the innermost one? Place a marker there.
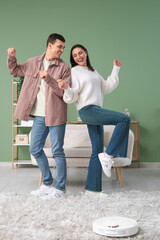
(77, 148)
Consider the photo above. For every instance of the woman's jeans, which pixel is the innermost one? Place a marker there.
(38, 137)
(95, 117)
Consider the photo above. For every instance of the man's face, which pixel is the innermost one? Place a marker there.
(56, 49)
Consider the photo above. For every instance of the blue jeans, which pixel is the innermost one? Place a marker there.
(38, 137)
(95, 117)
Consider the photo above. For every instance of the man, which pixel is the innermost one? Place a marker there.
(40, 97)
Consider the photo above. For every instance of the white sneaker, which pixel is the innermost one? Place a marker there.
(43, 190)
(95, 194)
(54, 194)
(106, 163)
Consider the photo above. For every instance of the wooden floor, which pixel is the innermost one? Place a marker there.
(24, 179)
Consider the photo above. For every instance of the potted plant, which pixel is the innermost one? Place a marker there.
(19, 85)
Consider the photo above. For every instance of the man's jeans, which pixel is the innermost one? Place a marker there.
(38, 137)
(95, 117)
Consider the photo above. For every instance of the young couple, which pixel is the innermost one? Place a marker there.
(46, 90)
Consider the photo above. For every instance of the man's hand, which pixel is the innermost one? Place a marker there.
(62, 84)
(117, 62)
(11, 52)
(43, 74)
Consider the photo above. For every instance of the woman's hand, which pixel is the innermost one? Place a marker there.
(117, 62)
(62, 84)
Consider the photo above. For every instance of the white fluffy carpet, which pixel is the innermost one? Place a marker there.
(23, 217)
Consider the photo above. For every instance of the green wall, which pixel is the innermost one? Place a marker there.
(124, 29)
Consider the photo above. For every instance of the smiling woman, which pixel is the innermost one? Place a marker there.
(88, 90)
(79, 56)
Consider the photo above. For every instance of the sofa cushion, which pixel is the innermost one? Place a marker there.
(77, 138)
(121, 162)
(72, 152)
(73, 138)
(78, 152)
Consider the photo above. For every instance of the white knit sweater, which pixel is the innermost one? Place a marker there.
(89, 87)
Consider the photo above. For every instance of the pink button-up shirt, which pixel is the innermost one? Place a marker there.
(55, 107)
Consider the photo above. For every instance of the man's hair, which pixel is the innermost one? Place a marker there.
(52, 38)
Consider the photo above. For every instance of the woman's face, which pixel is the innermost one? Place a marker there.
(79, 56)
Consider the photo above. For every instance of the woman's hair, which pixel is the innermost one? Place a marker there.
(73, 63)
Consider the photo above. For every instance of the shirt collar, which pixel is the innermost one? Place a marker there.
(55, 62)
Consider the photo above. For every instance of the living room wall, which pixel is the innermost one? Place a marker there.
(126, 29)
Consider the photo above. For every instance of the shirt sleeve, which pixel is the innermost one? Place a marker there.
(112, 81)
(66, 76)
(15, 69)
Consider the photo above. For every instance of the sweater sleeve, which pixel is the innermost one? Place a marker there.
(71, 94)
(112, 81)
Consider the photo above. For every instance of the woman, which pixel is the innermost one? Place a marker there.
(88, 88)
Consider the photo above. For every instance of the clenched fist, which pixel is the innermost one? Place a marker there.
(11, 52)
(117, 62)
(43, 74)
(62, 84)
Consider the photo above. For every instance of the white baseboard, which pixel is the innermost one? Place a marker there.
(6, 164)
(145, 165)
(150, 164)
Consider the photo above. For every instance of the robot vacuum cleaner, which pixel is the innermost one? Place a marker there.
(115, 226)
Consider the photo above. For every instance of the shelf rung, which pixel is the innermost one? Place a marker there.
(20, 144)
(23, 162)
